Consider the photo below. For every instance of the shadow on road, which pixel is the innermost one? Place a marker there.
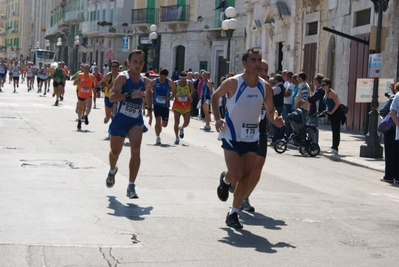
(245, 239)
(256, 218)
(130, 211)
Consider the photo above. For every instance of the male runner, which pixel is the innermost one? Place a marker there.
(108, 82)
(239, 131)
(15, 75)
(160, 91)
(85, 82)
(29, 76)
(129, 92)
(97, 89)
(58, 82)
(182, 105)
(3, 73)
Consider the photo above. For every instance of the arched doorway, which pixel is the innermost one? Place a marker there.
(180, 58)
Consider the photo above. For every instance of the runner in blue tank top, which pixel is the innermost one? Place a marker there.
(160, 91)
(128, 92)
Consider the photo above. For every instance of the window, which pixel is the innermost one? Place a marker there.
(111, 16)
(362, 17)
(311, 28)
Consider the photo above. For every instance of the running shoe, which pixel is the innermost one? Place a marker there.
(94, 106)
(44, 93)
(53, 95)
(223, 189)
(86, 120)
(131, 191)
(106, 120)
(61, 97)
(111, 179)
(245, 205)
(181, 132)
(56, 102)
(79, 124)
(233, 221)
(158, 141)
(177, 141)
(206, 128)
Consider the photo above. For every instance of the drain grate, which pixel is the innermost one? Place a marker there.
(47, 164)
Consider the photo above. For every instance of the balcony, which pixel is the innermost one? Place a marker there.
(74, 16)
(143, 18)
(91, 28)
(117, 28)
(15, 14)
(175, 16)
(53, 30)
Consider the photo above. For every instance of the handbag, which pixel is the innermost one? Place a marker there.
(386, 125)
(344, 108)
(199, 104)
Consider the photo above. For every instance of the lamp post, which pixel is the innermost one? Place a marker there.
(59, 45)
(153, 36)
(77, 43)
(372, 148)
(47, 45)
(229, 25)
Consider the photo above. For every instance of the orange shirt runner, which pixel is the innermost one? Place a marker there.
(85, 89)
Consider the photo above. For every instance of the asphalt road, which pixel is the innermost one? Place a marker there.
(55, 209)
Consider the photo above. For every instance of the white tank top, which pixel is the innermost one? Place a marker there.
(29, 72)
(15, 71)
(243, 111)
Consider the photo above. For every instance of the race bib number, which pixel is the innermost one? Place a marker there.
(182, 98)
(249, 131)
(160, 100)
(1, 70)
(85, 90)
(130, 110)
(57, 79)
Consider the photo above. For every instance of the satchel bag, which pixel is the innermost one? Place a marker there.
(386, 125)
(344, 108)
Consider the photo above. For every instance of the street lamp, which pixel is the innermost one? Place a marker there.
(372, 148)
(153, 36)
(77, 43)
(47, 44)
(59, 45)
(229, 25)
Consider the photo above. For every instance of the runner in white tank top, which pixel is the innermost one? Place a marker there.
(239, 131)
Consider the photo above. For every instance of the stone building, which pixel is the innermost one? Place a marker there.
(291, 36)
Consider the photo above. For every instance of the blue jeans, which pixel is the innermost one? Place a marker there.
(278, 132)
(287, 109)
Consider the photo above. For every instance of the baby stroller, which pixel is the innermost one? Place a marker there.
(299, 135)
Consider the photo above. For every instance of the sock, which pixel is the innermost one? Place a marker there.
(131, 183)
(224, 180)
(112, 172)
(232, 210)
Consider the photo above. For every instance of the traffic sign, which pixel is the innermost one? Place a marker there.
(375, 65)
(364, 90)
(109, 55)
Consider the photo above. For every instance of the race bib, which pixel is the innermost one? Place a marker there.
(85, 90)
(160, 100)
(182, 98)
(249, 131)
(57, 79)
(131, 110)
(1, 70)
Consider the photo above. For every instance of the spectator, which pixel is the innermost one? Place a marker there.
(301, 99)
(334, 111)
(391, 146)
(316, 104)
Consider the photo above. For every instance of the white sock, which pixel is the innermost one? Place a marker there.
(224, 180)
(112, 172)
(232, 210)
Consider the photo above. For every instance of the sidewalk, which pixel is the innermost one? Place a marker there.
(349, 148)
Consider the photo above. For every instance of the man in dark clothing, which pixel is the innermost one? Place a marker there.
(175, 75)
(278, 101)
(316, 104)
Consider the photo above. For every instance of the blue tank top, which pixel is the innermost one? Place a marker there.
(329, 103)
(130, 110)
(205, 89)
(161, 90)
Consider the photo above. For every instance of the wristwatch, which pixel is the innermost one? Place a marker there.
(128, 95)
